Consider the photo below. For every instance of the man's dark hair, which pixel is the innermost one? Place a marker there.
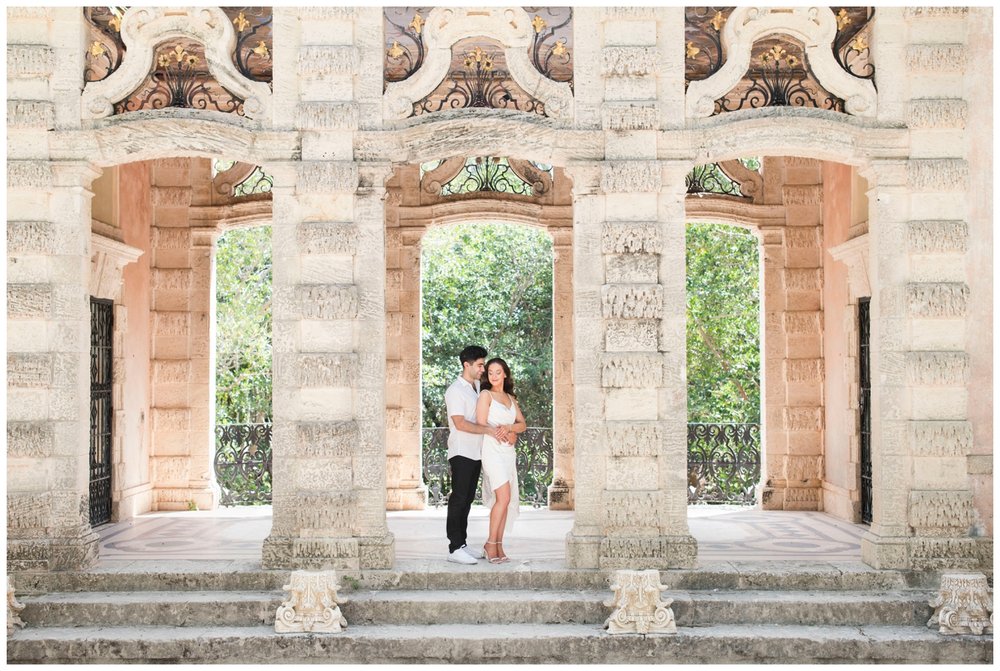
(471, 353)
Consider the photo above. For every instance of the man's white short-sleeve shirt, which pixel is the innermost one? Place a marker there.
(461, 399)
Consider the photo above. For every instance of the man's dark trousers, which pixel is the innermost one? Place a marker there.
(464, 480)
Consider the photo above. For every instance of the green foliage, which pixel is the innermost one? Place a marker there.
(723, 327)
(243, 326)
(488, 285)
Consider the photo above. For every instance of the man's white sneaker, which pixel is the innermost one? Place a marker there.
(460, 556)
(476, 553)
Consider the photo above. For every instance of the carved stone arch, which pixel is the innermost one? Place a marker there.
(815, 27)
(177, 133)
(445, 26)
(801, 133)
(144, 28)
(493, 133)
(719, 209)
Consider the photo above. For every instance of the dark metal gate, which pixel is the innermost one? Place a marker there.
(101, 330)
(865, 406)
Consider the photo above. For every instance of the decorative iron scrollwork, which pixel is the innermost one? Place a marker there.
(252, 56)
(711, 178)
(105, 48)
(533, 454)
(243, 463)
(851, 46)
(495, 174)
(404, 42)
(179, 79)
(781, 78)
(481, 80)
(703, 50)
(723, 463)
(551, 45)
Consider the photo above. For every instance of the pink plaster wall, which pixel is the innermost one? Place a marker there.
(841, 471)
(135, 219)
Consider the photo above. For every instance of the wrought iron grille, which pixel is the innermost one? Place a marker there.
(101, 332)
(243, 463)
(864, 404)
(711, 178)
(534, 465)
(723, 463)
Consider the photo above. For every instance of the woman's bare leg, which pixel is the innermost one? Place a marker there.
(498, 517)
(500, 505)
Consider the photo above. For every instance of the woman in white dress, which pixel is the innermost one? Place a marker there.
(498, 408)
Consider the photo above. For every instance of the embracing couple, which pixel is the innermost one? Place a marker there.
(483, 421)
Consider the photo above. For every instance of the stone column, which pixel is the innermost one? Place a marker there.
(793, 343)
(48, 366)
(924, 517)
(406, 489)
(182, 405)
(48, 306)
(561, 490)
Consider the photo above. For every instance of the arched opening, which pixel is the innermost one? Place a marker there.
(810, 218)
(489, 284)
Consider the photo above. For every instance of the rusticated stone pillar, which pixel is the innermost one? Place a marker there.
(630, 318)
(793, 345)
(182, 401)
(561, 490)
(48, 365)
(329, 369)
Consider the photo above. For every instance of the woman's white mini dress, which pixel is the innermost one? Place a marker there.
(499, 462)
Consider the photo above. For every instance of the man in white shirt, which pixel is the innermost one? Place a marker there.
(465, 447)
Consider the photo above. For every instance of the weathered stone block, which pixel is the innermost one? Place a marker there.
(632, 473)
(327, 177)
(632, 370)
(630, 176)
(326, 116)
(38, 114)
(631, 335)
(622, 116)
(632, 301)
(938, 174)
(30, 61)
(631, 238)
(628, 61)
(937, 58)
(937, 237)
(647, 552)
(29, 370)
(29, 439)
(327, 301)
(940, 439)
(937, 368)
(321, 62)
(632, 439)
(631, 404)
(326, 370)
(943, 553)
(939, 513)
(943, 299)
(937, 113)
(29, 301)
(327, 238)
(29, 175)
(323, 439)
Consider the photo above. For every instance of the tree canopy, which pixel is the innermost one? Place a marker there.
(243, 326)
(723, 333)
(487, 284)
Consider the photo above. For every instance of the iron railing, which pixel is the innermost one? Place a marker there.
(101, 408)
(534, 465)
(243, 463)
(723, 463)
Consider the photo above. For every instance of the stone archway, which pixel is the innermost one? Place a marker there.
(412, 207)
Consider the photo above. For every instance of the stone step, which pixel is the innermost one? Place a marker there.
(413, 575)
(477, 643)
(399, 607)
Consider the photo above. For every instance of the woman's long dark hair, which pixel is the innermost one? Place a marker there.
(508, 381)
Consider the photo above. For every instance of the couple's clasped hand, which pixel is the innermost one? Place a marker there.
(503, 433)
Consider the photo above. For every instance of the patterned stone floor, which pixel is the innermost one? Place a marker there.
(236, 534)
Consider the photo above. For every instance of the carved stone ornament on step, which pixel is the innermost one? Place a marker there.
(14, 608)
(638, 606)
(312, 604)
(964, 605)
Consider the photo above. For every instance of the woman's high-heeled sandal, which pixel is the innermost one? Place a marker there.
(503, 557)
(493, 560)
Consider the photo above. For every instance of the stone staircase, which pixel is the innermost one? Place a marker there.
(432, 612)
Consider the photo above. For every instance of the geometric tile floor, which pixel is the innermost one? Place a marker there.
(215, 538)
